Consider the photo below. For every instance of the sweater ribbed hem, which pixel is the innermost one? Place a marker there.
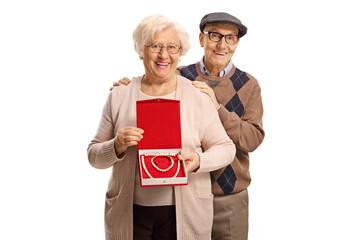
(111, 236)
(109, 153)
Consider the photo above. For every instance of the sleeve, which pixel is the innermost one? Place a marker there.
(101, 150)
(219, 150)
(246, 132)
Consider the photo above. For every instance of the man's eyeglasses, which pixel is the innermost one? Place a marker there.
(216, 37)
(171, 48)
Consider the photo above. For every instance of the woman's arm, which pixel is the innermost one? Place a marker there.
(106, 149)
(219, 150)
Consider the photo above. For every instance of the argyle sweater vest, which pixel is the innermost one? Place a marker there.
(241, 115)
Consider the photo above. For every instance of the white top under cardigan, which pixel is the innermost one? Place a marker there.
(153, 196)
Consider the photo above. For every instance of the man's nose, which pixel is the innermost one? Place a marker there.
(222, 42)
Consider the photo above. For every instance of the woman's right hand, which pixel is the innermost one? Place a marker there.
(124, 81)
(127, 137)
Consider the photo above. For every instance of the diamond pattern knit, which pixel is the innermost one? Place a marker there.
(241, 114)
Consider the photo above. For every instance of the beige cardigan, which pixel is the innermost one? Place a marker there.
(201, 129)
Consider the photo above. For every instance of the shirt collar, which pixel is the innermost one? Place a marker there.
(225, 71)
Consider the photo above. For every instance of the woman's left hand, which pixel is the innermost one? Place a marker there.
(192, 161)
(208, 90)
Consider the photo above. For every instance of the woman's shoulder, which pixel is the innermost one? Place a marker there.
(189, 88)
(123, 94)
(123, 89)
(193, 94)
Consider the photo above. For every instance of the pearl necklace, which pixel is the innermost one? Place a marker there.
(168, 155)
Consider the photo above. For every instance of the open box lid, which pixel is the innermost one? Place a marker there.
(160, 120)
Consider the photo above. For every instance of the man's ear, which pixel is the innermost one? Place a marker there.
(201, 39)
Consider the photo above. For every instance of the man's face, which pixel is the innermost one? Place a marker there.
(218, 54)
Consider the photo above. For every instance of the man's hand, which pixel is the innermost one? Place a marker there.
(125, 81)
(208, 90)
(127, 137)
(192, 161)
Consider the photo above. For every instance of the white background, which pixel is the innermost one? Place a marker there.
(58, 60)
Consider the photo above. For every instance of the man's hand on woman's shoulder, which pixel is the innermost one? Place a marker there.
(124, 81)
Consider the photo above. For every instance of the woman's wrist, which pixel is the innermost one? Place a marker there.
(119, 150)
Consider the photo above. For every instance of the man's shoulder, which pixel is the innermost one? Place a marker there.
(188, 71)
(243, 78)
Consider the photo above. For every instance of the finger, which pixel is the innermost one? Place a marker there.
(126, 142)
(132, 143)
(180, 157)
(129, 134)
(115, 84)
(124, 81)
(133, 131)
(198, 83)
(127, 80)
(204, 90)
(132, 138)
(187, 162)
(190, 166)
(202, 86)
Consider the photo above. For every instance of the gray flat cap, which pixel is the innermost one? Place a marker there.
(222, 17)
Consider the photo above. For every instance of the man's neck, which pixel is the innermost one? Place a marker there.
(217, 71)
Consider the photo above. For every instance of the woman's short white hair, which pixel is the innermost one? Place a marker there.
(154, 24)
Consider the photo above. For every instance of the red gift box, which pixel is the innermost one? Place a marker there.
(161, 143)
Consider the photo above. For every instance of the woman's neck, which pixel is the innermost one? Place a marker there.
(158, 87)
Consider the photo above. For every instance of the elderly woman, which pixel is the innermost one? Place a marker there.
(168, 212)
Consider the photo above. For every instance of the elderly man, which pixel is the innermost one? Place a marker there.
(237, 97)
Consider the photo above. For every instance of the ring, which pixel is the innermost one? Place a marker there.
(160, 169)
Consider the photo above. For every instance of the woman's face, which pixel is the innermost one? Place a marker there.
(162, 65)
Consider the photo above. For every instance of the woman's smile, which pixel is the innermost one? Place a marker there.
(162, 65)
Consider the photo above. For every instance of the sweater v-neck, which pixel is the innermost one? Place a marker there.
(214, 78)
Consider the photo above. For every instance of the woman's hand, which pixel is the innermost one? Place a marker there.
(127, 137)
(208, 90)
(125, 81)
(192, 161)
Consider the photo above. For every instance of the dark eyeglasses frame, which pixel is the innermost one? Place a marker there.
(222, 35)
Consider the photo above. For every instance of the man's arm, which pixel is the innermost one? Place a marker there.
(246, 131)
